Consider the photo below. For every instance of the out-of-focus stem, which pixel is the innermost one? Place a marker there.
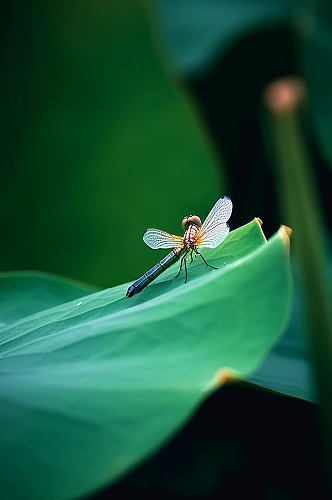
(298, 198)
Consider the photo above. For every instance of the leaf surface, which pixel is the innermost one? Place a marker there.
(24, 293)
(88, 391)
(287, 368)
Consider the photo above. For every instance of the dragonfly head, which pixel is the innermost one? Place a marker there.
(191, 219)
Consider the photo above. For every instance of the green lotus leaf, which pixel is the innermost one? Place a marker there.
(91, 387)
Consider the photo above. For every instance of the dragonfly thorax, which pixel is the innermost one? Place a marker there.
(191, 225)
(189, 237)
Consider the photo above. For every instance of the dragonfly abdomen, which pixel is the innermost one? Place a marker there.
(153, 273)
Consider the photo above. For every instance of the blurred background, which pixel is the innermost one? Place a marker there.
(117, 116)
(122, 115)
(97, 142)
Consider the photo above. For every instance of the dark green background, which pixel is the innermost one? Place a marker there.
(97, 142)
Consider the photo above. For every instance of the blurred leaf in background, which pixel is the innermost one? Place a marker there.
(197, 33)
(226, 53)
(316, 31)
(97, 143)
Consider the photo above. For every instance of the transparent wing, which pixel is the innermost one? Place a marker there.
(214, 229)
(219, 214)
(213, 238)
(155, 238)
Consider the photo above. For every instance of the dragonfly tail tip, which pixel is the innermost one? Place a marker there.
(131, 291)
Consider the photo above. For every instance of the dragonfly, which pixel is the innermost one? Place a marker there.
(210, 234)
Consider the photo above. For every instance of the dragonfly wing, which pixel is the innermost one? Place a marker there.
(213, 238)
(219, 214)
(214, 229)
(155, 238)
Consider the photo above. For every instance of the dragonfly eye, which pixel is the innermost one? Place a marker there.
(192, 219)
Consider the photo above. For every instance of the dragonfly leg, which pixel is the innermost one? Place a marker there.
(191, 257)
(186, 271)
(182, 259)
(180, 269)
(199, 253)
